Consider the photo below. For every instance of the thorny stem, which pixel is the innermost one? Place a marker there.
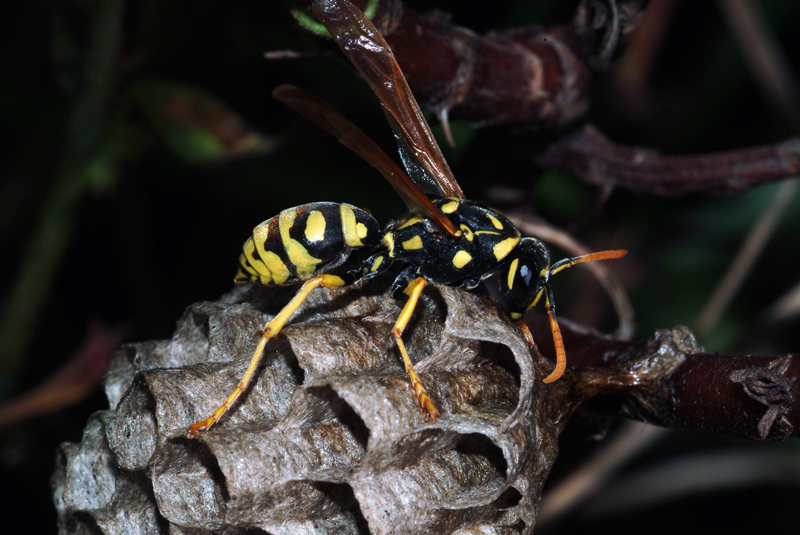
(532, 75)
(478, 78)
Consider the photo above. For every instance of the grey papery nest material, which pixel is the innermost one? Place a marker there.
(328, 438)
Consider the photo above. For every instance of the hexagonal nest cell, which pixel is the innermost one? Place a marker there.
(328, 438)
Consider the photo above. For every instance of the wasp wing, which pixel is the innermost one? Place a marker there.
(352, 137)
(368, 51)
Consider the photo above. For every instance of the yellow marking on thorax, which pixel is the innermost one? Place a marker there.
(467, 232)
(412, 220)
(350, 227)
(388, 239)
(512, 272)
(413, 243)
(315, 226)
(496, 222)
(490, 232)
(504, 247)
(450, 207)
(461, 259)
(298, 255)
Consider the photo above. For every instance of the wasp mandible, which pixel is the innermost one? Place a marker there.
(445, 239)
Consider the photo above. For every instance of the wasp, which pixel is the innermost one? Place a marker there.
(445, 239)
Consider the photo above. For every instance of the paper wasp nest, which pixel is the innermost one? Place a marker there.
(328, 438)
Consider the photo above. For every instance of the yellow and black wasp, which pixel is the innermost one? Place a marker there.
(445, 239)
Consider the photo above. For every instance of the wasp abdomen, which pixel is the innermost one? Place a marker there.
(304, 241)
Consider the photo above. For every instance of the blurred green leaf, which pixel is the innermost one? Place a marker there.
(99, 173)
(196, 125)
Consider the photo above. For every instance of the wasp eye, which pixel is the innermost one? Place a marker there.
(525, 274)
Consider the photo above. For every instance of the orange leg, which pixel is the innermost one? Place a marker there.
(271, 330)
(424, 402)
(558, 341)
(526, 332)
(561, 356)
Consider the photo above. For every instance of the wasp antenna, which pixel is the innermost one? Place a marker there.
(591, 257)
(561, 356)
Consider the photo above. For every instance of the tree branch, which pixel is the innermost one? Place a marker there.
(671, 381)
(597, 160)
(531, 75)
(541, 77)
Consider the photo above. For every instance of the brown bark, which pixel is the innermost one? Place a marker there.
(597, 160)
(533, 75)
(669, 380)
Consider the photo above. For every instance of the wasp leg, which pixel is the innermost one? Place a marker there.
(526, 332)
(414, 289)
(271, 330)
(558, 341)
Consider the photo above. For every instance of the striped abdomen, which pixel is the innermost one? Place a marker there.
(304, 241)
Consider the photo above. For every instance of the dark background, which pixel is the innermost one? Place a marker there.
(164, 229)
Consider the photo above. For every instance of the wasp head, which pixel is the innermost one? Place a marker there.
(523, 276)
